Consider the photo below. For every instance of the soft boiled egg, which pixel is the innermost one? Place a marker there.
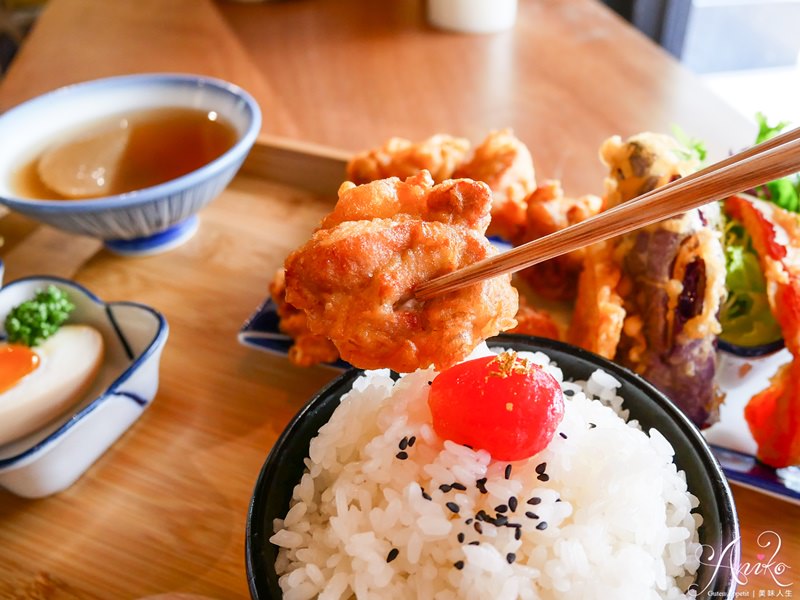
(38, 384)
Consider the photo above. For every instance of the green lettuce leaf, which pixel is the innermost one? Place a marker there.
(694, 149)
(783, 192)
(767, 131)
(745, 316)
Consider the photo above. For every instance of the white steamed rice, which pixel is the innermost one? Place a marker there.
(608, 516)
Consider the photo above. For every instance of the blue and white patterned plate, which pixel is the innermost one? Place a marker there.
(261, 331)
(740, 378)
(53, 457)
(730, 439)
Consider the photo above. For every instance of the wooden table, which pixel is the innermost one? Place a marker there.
(164, 510)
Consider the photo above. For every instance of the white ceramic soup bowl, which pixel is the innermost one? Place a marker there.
(144, 221)
(53, 457)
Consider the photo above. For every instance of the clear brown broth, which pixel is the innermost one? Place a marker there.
(163, 145)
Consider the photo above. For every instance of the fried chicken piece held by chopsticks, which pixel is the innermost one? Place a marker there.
(454, 202)
(355, 278)
(308, 348)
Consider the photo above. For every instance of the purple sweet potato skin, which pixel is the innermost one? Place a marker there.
(683, 368)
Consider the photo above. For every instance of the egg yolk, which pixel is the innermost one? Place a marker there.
(16, 361)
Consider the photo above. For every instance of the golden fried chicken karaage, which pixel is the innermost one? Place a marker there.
(355, 278)
(548, 211)
(504, 163)
(534, 321)
(501, 161)
(598, 316)
(454, 202)
(398, 157)
(308, 348)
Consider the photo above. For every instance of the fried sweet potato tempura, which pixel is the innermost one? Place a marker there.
(673, 278)
(504, 163)
(399, 157)
(355, 278)
(642, 163)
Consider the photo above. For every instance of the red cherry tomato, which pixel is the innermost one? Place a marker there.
(504, 405)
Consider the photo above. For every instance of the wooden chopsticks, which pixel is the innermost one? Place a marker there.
(755, 166)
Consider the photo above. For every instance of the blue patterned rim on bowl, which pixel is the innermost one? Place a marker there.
(54, 457)
(144, 221)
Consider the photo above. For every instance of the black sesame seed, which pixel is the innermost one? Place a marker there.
(500, 520)
(460, 538)
(501, 508)
(542, 526)
(534, 501)
(445, 487)
(543, 477)
(426, 495)
(430, 383)
(468, 521)
(478, 527)
(541, 467)
(517, 534)
(392, 555)
(475, 543)
(402, 455)
(569, 392)
(459, 564)
(512, 503)
(482, 516)
(531, 515)
(511, 557)
(562, 434)
(403, 443)
(592, 425)
(458, 486)
(481, 485)
(558, 499)
(412, 440)
(453, 507)
(507, 473)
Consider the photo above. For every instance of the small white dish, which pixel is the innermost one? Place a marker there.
(54, 457)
